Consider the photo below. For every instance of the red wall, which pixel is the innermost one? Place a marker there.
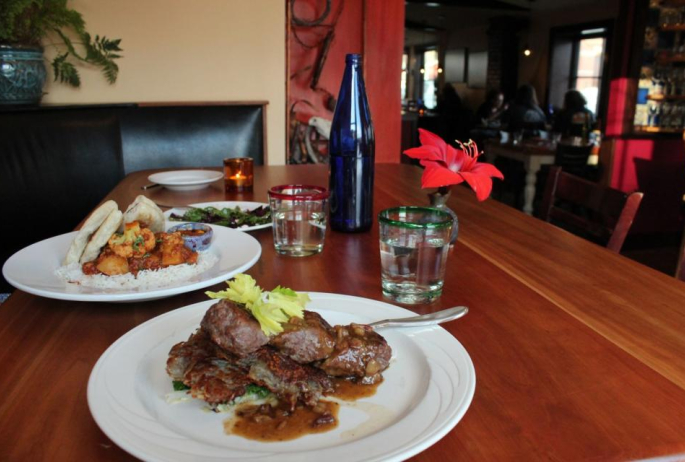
(653, 164)
(657, 168)
(383, 47)
(374, 28)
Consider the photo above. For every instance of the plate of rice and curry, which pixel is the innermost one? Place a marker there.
(130, 256)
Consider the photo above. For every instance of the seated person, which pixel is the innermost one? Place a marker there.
(454, 119)
(525, 113)
(489, 113)
(574, 119)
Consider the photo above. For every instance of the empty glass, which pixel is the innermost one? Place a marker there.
(299, 216)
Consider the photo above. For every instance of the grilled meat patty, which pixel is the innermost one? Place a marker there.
(216, 381)
(305, 340)
(286, 378)
(230, 351)
(233, 328)
(184, 355)
(359, 352)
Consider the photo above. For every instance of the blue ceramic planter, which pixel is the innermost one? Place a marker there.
(22, 75)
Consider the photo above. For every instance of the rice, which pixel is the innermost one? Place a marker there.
(146, 279)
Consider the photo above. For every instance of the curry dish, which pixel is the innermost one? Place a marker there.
(138, 248)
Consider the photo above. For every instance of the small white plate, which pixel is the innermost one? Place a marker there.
(426, 390)
(220, 205)
(32, 269)
(185, 180)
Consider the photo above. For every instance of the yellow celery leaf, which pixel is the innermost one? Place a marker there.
(242, 289)
(280, 305)
(269, 316)
(292, 306)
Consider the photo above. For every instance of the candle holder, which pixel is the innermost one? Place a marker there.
(238, 174)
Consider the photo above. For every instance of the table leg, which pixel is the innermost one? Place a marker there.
(532, 169)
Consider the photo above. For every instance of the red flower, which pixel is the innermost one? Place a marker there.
(446, 166)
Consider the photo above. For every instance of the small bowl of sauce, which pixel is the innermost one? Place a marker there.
(196, 236)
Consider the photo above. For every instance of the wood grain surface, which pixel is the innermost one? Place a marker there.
(578, 351)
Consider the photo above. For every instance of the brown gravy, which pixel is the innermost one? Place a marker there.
(348, 390)
(266, 423)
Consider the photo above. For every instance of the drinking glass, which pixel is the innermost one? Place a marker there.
(414, 242)
(299, 216)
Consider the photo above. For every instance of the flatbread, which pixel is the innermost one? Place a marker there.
(89, 227)
(145, 211)
(101, 236)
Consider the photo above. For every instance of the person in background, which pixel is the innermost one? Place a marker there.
(575, 119)
(525, 113)
(453, 117)
(489, 113)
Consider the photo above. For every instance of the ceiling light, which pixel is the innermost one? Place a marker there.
(527, 51)
(422, 70)
(440, 70)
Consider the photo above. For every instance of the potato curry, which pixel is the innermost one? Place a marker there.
(138, 248)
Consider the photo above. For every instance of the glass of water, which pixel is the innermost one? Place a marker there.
(414, 243)
(299, 216)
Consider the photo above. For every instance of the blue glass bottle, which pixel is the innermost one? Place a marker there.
(351, 154)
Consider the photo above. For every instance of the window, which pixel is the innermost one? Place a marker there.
(577, 57)
(430, 78)
(403, 82)
(587, 72)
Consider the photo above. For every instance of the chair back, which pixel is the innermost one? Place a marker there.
(605, 214)
(680, 270)
(573, 159)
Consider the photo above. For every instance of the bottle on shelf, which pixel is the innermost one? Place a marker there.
(351, 154)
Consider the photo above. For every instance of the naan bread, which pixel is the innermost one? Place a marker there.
(143, 210)
(101, 236)
(91, 225)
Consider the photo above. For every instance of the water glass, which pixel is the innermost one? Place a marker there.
(414, 242)
(299, 216)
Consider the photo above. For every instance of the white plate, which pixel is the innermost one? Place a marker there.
(32, 269)
(220, 205)
(185, 180)
(427, 390)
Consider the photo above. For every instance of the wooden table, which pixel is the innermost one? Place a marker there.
(533, 156)
(579, 352)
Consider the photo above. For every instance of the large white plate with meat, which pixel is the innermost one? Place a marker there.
(427, 389)
(32, 270)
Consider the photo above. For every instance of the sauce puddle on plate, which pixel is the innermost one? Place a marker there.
(264, 422)
(347, 390)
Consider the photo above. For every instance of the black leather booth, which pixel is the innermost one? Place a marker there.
(57, 163)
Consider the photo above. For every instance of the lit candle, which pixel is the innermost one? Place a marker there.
(238, 179)
(238, 174)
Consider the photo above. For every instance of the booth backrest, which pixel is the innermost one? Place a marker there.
(57, 163)
(190, 136)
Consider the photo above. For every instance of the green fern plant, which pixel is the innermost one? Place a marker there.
(29, 22)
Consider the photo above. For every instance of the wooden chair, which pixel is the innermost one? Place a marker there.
(608, 213)
(680, 270)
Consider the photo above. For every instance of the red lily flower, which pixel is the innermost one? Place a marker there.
(446, 166)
